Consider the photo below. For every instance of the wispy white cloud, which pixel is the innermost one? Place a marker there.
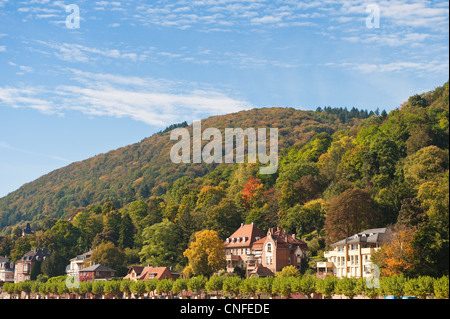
(71, 52)
(413, 68)
(156, 102)
(15, 149)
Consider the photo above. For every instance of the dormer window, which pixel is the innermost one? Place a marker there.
(228, 240)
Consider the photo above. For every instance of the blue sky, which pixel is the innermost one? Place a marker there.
(134, 67)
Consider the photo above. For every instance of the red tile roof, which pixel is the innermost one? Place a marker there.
(248, 232)
(155, 273)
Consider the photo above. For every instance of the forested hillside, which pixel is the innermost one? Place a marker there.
(341, 171)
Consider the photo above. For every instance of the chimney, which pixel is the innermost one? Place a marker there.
(293, 236)
(242, 224)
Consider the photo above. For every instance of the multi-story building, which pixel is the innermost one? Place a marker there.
(263, 254)
(239, 247)
(6, 270)
(96, 272)
(24, 266)
(351, 257)
(77, 263)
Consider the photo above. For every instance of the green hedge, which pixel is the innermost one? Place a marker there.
(232, 287)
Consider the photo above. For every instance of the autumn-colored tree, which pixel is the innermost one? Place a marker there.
(210, 196)
(206, 254)
(349, 213)
(398, 255)
(252, 190)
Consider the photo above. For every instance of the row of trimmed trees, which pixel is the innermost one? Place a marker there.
(234, 287)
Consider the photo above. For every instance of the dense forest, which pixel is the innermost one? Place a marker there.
(340, 172)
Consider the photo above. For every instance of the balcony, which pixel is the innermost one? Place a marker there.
(325, 264)
(367, 251)
(233, 257)
(250, 258)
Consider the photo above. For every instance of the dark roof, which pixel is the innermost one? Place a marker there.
(97, 267)
(35, 254)
(374, 235)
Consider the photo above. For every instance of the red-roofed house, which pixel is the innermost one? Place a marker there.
(145, 273)
(238, 246)
(263, 254)
(280, 249)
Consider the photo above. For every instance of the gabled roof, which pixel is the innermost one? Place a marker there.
(154, 273)
(97, 267)
(284, 240)
(373, 235)
(247, 232)
(261, 271)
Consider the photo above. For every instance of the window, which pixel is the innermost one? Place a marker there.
(340, 248)
(269, 247)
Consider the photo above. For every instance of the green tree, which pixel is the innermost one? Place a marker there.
(224, 218)
(98, 287)
(370, 291)
(347, 287)
(307, 285)
(126, 231)
(282, 286)
(112, 287)
(326, 286)
(441, 286)
(394, 286)
(164, 286)
(214, 284)
(197, 284)
(289, 271)
(138, 288)
(160, 244)
(231, 285)
(179, 286)
(150, 285)
(264, 285)
(110, 256)
(125, 287)
(249, 286)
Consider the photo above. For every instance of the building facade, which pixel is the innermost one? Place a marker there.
(136, 273)
(26, 265)
(239, 247)
(6, 270)
(351, 257)
(263, 254)
(77, 263)
(96, 272)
